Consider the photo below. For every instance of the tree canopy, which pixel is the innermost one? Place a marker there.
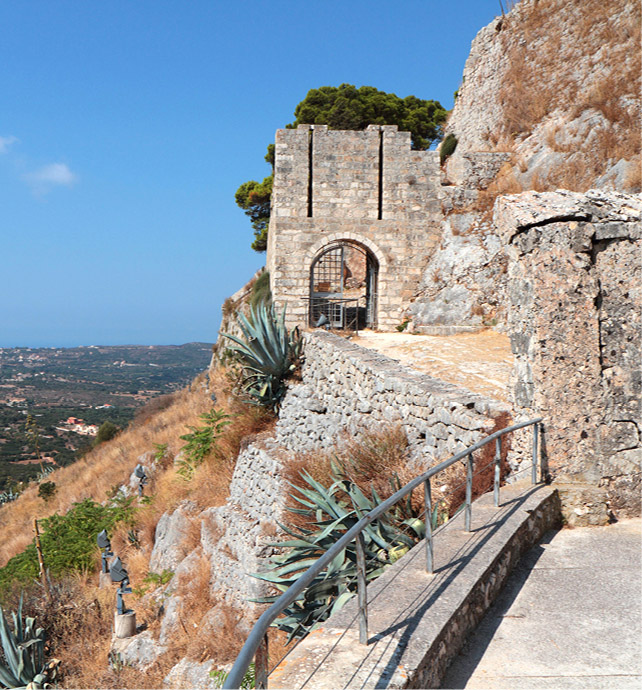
(344, 107)
(348, 107)
(254, 198)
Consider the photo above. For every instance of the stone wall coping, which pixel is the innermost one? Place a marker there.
(394, 375)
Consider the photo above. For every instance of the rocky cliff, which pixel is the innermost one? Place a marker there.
(555, 84)
(550, 98)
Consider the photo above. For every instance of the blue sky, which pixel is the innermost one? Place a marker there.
(126, 128)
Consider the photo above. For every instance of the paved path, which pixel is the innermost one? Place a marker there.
(478, 361)
(569, 617)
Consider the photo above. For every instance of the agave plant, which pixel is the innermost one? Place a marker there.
(267, 354)
(333, 511)
(24, 652)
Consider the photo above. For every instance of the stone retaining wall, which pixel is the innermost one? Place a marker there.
(347, 389)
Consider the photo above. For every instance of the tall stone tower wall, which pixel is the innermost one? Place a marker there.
(364, 187)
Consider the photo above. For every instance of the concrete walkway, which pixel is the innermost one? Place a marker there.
(569, 617)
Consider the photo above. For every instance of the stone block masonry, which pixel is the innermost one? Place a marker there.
(575, 322)
(366, 188)
(347, 389)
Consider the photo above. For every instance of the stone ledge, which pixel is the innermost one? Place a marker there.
(418, 622)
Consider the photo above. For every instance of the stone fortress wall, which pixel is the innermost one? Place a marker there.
(574, 291)
(365, 187)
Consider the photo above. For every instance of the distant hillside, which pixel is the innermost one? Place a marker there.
(44, 387)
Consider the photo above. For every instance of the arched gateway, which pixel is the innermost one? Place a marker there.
(343, 286)
(354, 218)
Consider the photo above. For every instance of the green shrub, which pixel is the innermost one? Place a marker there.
(68, 541)
(106, 432)
(46, 490)
(268, 354)
(447, 147)
(201, 441)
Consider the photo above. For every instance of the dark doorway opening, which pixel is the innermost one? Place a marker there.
(343, 287)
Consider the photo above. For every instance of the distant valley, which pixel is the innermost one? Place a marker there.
(53, 400)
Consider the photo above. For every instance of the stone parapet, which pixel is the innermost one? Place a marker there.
(346, 389)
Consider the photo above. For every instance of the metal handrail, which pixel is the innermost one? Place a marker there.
(255, 643)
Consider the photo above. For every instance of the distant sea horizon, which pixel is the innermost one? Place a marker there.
(57, 346)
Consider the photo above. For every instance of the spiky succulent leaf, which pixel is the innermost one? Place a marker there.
(334, 510)
(23, 650)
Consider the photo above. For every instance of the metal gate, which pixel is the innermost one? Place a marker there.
(329, 293)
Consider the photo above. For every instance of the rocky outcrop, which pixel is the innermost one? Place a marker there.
(557, 85)
(575, 305)
(169, 540)
(550, 98)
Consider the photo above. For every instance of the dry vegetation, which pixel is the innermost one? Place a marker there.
(101, 469)
(79, 616)
(573, 59)
(376, 456)
(369, 461)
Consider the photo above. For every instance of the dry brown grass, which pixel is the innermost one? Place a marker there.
(633, 177)
(370, 460)
(94, 475)
(79, 621)
(453, 492)
(573, 58)
(505, 182)
(111, 464)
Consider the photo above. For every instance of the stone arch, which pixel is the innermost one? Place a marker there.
(353, 237)
(343, 284)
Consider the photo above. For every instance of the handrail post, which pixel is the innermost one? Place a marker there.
(428, 513)
(362, 593)
(261, 665)
(535, 451)
(469, 490)
(498, 461)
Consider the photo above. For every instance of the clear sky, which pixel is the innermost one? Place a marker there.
(127, 126)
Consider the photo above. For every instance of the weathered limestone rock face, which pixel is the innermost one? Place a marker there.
(366, 189)
(575, 291)
(557, 85)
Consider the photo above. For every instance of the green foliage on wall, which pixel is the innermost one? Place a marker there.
(447, 148)
(261, 293)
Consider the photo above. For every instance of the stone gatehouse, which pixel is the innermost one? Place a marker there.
(355, 217)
